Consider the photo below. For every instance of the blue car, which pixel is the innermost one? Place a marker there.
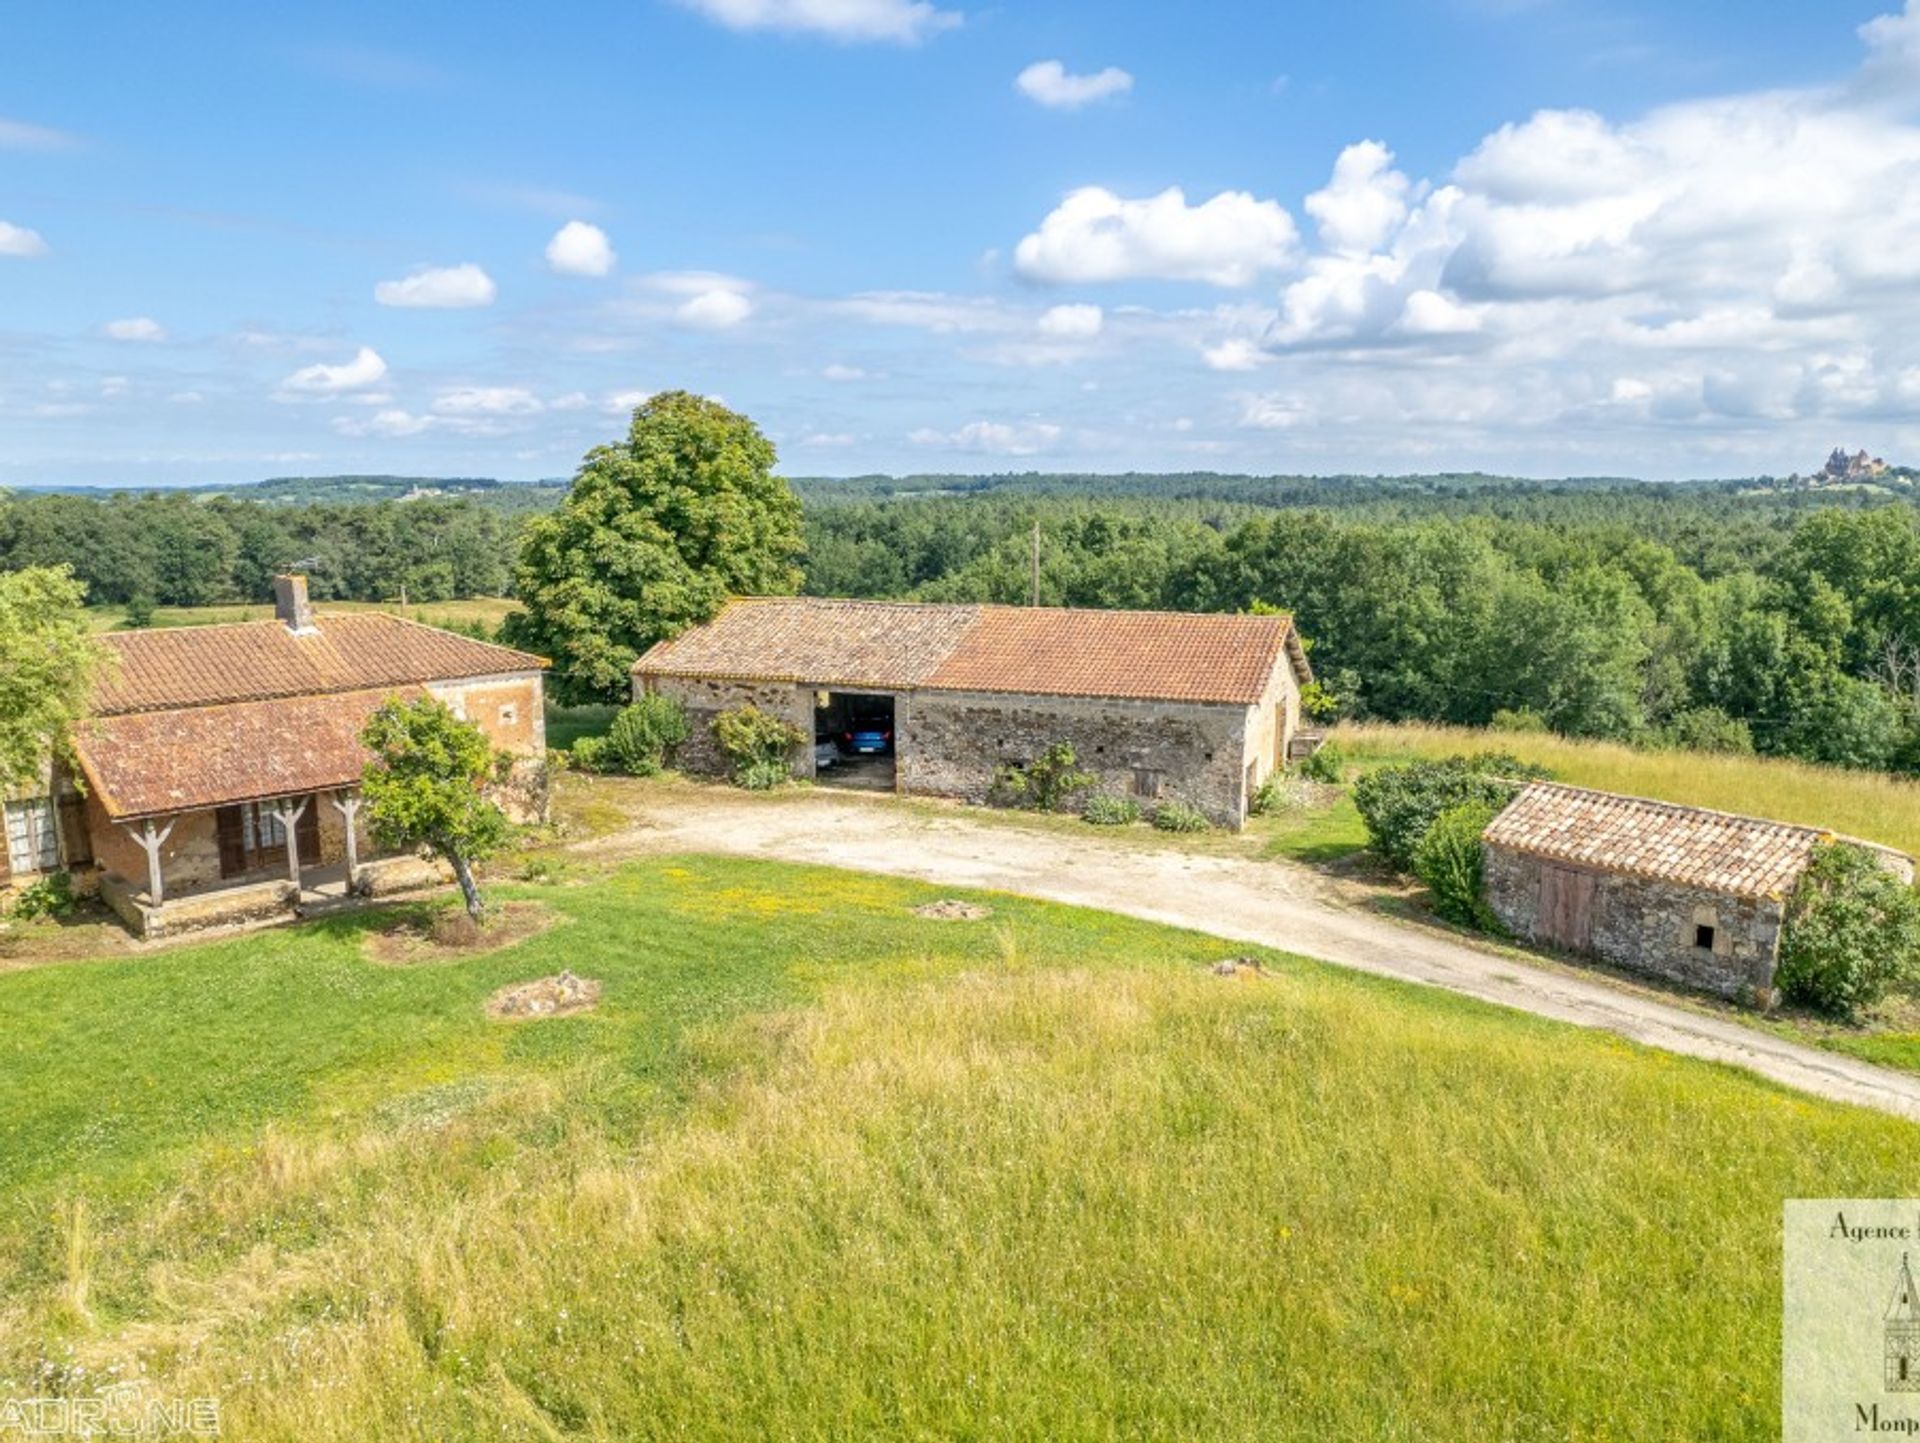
(867, 737)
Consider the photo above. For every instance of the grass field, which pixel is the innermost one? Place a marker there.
(818, 1168)
(1870, 805)
(488, 611)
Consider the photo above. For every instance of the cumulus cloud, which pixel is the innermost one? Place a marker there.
(580, 249)
(704, 300)
(624, 403)
(715, 310)
(904, 22)
(19, 242)
(447, 288)
(365, 369)
(1236, 353)
(487, 401)
(991, 438)
(1096, 235)
(135, 328)
(1049, 83)
(1075, 322)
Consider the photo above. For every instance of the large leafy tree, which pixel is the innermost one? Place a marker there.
(48, 658)
(656, 532)
(426, 787)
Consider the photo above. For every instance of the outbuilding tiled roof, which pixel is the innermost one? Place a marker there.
(255, 660)
(1607, 832)
(889, 645)
(1036, 651)
(140, 764)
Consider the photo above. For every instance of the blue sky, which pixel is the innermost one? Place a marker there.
(1534, 236)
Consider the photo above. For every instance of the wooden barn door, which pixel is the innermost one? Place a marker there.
(1565, 914)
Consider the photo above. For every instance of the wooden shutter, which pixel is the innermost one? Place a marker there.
(233, 846)
(76, 842)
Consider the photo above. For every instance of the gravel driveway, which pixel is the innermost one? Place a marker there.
(1275, 904)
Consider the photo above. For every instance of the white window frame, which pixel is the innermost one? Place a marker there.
(33, 836)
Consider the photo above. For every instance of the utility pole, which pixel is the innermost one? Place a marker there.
(1036, 563)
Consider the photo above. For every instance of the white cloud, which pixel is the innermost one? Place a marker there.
(1236, 353)
(715, 310)
(135, 328)
(186, 398)
(571, 401)
(838, 372)
(365, 369)
(24, 135)
(904, 22)
(991, 438)
(1075, 322)
(580, 249)
(1363, 203)
(624, 403)
(828, 439)
(447, 288)
(1095, 235)
(1049, 83)
(932, 311)
(487, 401)
(19, 242)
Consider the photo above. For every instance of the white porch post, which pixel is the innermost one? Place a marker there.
(151, 841)
(347, 804)
(288, 816)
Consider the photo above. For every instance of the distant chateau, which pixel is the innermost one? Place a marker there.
(1856, 470)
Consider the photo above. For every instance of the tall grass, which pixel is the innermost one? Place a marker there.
(1870, 805)
(1026, 1203)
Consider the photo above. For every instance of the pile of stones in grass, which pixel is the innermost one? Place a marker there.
(953, 910)
(558, 996)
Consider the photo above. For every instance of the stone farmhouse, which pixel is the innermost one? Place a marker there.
(1689, 895)
(219, 767)
(1157, 705)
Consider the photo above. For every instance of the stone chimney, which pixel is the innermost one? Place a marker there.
(290, 603)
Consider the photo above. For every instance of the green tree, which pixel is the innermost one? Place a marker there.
(1449, 860)
(655, 534)
(1852, 932)
(48, 659)
(426, 787)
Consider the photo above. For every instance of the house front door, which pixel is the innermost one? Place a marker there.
(1564, 917)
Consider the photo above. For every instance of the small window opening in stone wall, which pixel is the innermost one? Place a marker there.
(1147, 781)
(1703, 934)
(509, 714)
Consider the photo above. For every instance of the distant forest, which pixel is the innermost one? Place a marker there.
(1777, 616)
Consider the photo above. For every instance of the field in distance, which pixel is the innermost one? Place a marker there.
(487, 611)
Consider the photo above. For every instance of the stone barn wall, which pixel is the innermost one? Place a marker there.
(953, 743)
(705, 699)
(1648, 926)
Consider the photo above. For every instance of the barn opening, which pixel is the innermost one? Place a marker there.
(855, 740)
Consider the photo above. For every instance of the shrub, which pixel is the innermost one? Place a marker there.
(590, 754)
(1179, 817)
(1326, 764)
(50, 896)
(644, 736)
(1707, 729)
(756, 743)
(140, 610)
(1852, 933)
(1399, 803)
(1265, 798)
(1045, 784)
(1104, 809)
(1448, 859)
(1517, 719)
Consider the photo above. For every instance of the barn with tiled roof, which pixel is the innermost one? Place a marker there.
(1688, 894)
(942, 699)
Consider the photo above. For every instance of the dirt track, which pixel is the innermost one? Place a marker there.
(1272, 903)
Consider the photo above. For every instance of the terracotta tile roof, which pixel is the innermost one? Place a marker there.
(1035, 651)
(886, 644)
(1137, 655)
(1715, 851)
(256, 660)
(146, 763)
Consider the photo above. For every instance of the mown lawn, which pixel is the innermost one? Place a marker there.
(818, 1168)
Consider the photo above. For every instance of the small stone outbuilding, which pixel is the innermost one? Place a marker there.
(1156, 705)
(1686, 894)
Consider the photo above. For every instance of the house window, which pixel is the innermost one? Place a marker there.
(509, 714)
(32, 843)
(1147, 781)
(1703, 936)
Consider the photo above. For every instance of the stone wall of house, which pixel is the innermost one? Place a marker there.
(953, 744)
(705, 699)
(1650, 926)
(509, 709)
